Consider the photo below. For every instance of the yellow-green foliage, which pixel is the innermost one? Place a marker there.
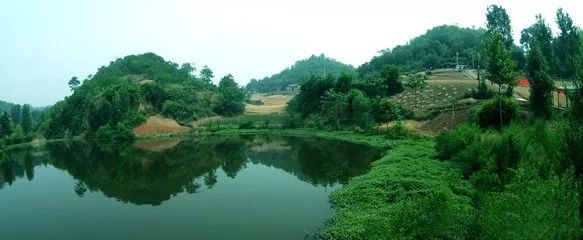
(407, 194)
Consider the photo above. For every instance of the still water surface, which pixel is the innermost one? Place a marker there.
(214, 188)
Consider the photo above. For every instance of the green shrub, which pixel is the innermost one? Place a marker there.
(451, 143)
(246, 125)
(477, 154)
(482, 92)
(292, 121)
(179, 111)
(490, 113)
(120, 133)
(133, 118)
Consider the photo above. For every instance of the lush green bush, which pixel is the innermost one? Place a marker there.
(177, 110)
(494, 112)
(452, 143)
(120, 133)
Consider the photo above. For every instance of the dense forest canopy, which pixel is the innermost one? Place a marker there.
(299, 73)
(5, 106)
(437, 48)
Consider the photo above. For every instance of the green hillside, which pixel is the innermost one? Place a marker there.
(123, 94)
(299, 73)
(436, 48)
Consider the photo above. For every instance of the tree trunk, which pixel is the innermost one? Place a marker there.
(500, 104)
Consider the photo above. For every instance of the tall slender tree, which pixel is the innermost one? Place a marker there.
(501, 67)
(541, 84)
(540, 34)
(26, 121)
(5, 127)
(16, 113)
(206, 74)
(566, 45)
(499, 21)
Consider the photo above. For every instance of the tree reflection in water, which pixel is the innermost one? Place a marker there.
(151, 174)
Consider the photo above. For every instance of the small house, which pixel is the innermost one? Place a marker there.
(292, 87)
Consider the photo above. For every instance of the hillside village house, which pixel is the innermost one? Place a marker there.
(292, 87)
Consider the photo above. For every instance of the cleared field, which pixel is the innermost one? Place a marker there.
(444, 89)
(158, 124)
(271, 104)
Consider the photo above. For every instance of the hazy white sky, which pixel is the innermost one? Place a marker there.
(44, 43)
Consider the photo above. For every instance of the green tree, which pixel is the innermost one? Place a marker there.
(541, 84)
(26, 121)
(206, 74)
(231, 99)
(187, 69)
(74, 83)
(499, 21)
(361, 110)
(5, 127)
(501, 67)
(344, 82)
(16, 113)
(540, 34)
(566, 45)
(391, 75)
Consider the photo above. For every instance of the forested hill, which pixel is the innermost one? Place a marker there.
(5, 106)
(436, 48)
(299, 72)
(123, 94)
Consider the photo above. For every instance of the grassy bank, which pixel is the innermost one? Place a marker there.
(406, 194)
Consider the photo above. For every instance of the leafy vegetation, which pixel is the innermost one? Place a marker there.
(299, 73)
(435, 49)
(121, 96)
(406, 194)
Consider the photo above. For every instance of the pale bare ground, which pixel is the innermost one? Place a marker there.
(271, 104)
(156, 145)
(443, 89)
(524, 92)
(159, 124)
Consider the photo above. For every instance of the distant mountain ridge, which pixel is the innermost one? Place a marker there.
(300, 72)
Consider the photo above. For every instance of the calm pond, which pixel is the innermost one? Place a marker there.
(213, 188)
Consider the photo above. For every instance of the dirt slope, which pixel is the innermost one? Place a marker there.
(158, 124)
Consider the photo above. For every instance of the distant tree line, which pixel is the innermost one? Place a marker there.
(19, 124)
(348, 101)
